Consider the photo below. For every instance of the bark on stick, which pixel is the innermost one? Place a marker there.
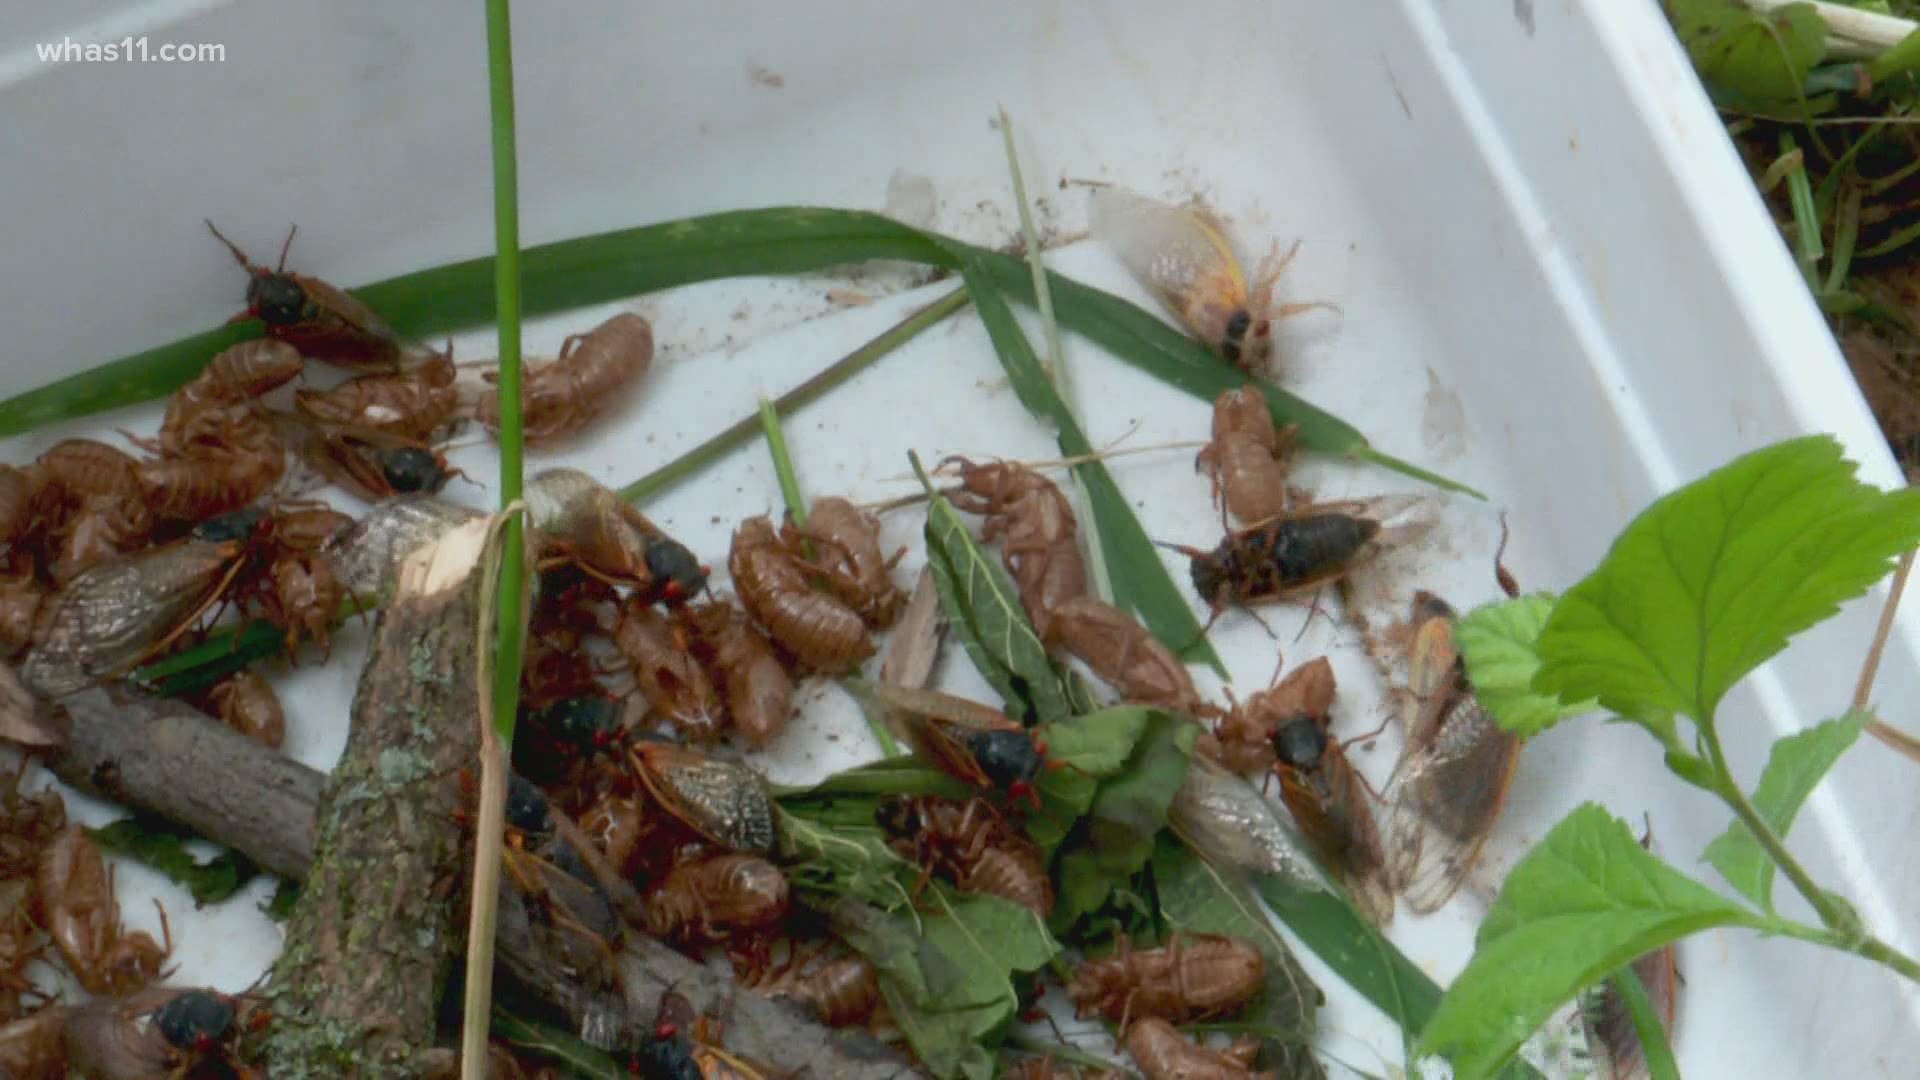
(159, 757)
(374, 935)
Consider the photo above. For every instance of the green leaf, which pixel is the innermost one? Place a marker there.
(1585, 901)
(1710, 581)
(163, 848)
(1115, 839)
(905, 775)
(983, 607)
(1794, 768)
(1140, 580)
(1084, 749)
(579, 1058)
(1902, 59)
(1498, 643)
(946, 973)
(841, 859)
(1198, 897)
(279, 907)
(611, 266)
(1756, 58)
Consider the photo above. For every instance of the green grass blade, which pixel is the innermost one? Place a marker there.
(1646, 1024)
(611, 266)
(782, 461)
(1139, 579)
(724, 442)
(1362, 956)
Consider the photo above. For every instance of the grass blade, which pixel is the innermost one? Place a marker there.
(611, 266)
(782, 462)
(1056, 366)
(1140, 580)
(793, 400)
(1646, 1024)
(511, 597)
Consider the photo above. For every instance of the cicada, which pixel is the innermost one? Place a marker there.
(321, 321)
(1291, 555)
(1182, 255)
(1452, 778)
(721, 800)
(1332, 804)
(974, 743)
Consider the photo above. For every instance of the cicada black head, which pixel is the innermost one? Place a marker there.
(591, 722)
(1299, 742)
(1011, 759)
(409, 469)
(276, 298)
(238, 525)
(527, 808)
(1211, 577)
(196, 1020)
(678, 573)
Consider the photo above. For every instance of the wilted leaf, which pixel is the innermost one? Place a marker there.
(1198, 897)
(947, 971)
(983, 608)
(1083, 749)
(164, 849)
(1115, 839)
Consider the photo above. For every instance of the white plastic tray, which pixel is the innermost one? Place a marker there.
(1555, 283)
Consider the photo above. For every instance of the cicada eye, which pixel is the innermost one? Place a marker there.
(1262, 328)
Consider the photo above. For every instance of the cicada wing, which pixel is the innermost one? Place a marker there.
(1332, 811)
(1444, 801)
(1179, 253)
(934, 740)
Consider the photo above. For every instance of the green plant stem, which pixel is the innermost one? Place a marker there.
(1831, 914)
(509, 622)
(793, 400)
(1843, 930)
(1646, 1024)
(782, 462)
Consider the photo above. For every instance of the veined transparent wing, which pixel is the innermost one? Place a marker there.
(1180, 253)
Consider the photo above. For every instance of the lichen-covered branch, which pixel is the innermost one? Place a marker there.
(156, 756)
(375, 933)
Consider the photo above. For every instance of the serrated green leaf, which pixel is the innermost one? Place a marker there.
(983, 608)
(163, 848)
(1115, 838)
(1710, 581)
(1756, 58)
(1198, 897)
(1140, 580)
(1084, 749)
(839, 858)
(1794, 768)
(618, 265)
(1498, 643)
(946, 972)
(1585, 901)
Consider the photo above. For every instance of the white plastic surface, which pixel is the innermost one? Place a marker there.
(1555, 282)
